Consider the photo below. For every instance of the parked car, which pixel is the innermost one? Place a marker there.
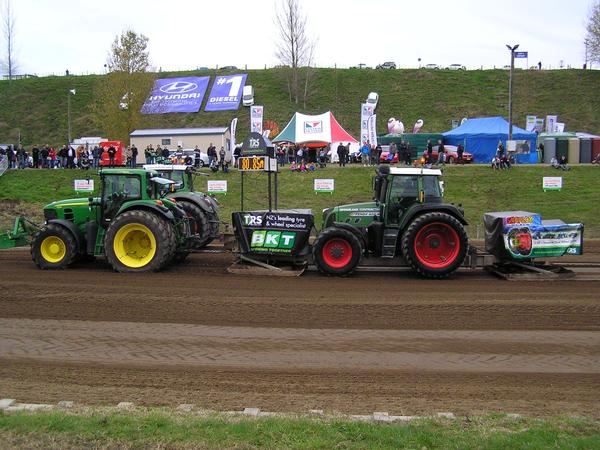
(451, 155)
(178, 156)
(373, 99)
(387, 65)
(385, 158)
(248, 95)
(432, 66)
(229, 68)
(202, 68)
(360, 66)
(456, 67)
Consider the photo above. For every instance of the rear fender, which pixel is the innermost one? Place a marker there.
(424, 208)
(161, 211)
(197, 199)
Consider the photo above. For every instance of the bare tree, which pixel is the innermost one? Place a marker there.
(592, 41)
(9, 64)
(294, 48)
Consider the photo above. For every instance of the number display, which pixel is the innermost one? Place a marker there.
(252, 163)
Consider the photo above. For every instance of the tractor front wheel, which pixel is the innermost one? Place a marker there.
(139, 241)
(53, 247)
(435, 244)
(337, 251)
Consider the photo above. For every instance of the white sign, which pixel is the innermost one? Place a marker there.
(552, 183)
(372, 129)
(559, 127)
(217, 186)
(84, 185)
(551, 124)
(366, 111)
(530, 123)
(324, 184)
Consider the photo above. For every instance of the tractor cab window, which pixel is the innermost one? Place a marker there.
(431, 187)
(403, 193)
(117, 189)
(176, 176)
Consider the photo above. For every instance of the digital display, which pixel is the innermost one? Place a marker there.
(252, 163)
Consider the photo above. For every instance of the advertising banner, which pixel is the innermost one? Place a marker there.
(559, 127)
(226, 92)
(216, 186)
(324, 185)
(277, 232)
(530, 123)
(551, 124)
(233, 128)
(372, 129)
(366, 111)
(539, 125)
(171, 95)
(256, 119)
(521, 55)
(521, 235)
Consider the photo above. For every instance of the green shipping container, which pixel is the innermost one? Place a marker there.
(562, 148)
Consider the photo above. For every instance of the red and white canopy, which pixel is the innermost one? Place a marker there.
(305, 129)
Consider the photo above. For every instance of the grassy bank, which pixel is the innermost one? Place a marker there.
(159, 429)
(477, 188)
(37, 107)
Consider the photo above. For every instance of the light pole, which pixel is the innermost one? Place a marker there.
(510, 90)
(587, 43)
(69, 93)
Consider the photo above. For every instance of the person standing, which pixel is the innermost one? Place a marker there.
(212, 154)
(149, 154)
(373, 155)
(460, 150)
(341, 152)
(112, 151)
(392, 152)
(35, 154)
(128, 156)
(21, 157)
(134, 153)
(364, 153)
(53, 161)
(429, 152)
(441, 153)
(45, 154)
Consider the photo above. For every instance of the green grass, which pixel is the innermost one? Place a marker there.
(157, 428)
(477, 188)
(36, 107)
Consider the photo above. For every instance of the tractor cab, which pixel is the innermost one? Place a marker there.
(179, 173)
(397, 190)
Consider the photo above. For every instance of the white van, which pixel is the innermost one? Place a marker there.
(248, 96)
(373, 99)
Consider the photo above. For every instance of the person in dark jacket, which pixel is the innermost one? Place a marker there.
(134, 153)
(112, 151)
(35, 154)
(341, 152)
(459, 154)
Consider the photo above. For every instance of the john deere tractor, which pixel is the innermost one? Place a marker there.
(201, 209)
(133, 224)
(407, 219)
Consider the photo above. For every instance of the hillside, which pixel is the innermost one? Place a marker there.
(37, 107)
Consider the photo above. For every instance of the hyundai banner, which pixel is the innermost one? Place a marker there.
(372, 129)
(171, 95)
(256, 119)
(226, 92)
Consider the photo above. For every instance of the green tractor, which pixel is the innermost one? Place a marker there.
(407, 219)
(133, 224)
(201, 209)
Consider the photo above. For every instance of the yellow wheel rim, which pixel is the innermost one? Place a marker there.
(53, 249)
(134, 245)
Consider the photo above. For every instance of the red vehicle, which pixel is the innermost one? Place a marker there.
(119, 156)
(385, 158)
(451, 155)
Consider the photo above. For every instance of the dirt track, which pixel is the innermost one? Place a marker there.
(389, 342)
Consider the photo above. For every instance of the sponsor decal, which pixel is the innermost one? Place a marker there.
(169, 95)
(269, 239)
(313, 126)
(226, 93)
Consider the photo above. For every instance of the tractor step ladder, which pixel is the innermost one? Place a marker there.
(99, 247)
(390, 237)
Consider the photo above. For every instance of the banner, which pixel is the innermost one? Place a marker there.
(226, 92)
(551, 123)
(366, 111)
(324, 185)
(216, 186)
(372, 129)
(530, 123)
(83, 185)
(233, 127)
(256, 119)
(171, 95)
(552, 183)
(539, 125)
(559, 127)
(521, 55)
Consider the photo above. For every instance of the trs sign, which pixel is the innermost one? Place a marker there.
(273, 239)
(520, 54)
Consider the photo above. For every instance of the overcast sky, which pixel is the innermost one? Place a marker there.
(55, 35)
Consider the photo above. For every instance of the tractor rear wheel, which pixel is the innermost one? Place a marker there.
(435, 244)
(337, 251)
(139, 241)
(53, 247)
(198, 223)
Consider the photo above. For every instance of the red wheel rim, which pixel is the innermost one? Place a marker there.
(437, 245)
(337, 253)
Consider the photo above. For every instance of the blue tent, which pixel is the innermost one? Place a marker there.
(480, 137)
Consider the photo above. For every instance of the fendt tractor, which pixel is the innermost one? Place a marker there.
(133, 223)
(406, 219)
(202, 209)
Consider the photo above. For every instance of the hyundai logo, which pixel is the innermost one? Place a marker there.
(178, 87)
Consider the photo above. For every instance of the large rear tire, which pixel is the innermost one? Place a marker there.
(198, 223)
(53, 247)
(337, 251)
(435, 244)
(139, 241)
